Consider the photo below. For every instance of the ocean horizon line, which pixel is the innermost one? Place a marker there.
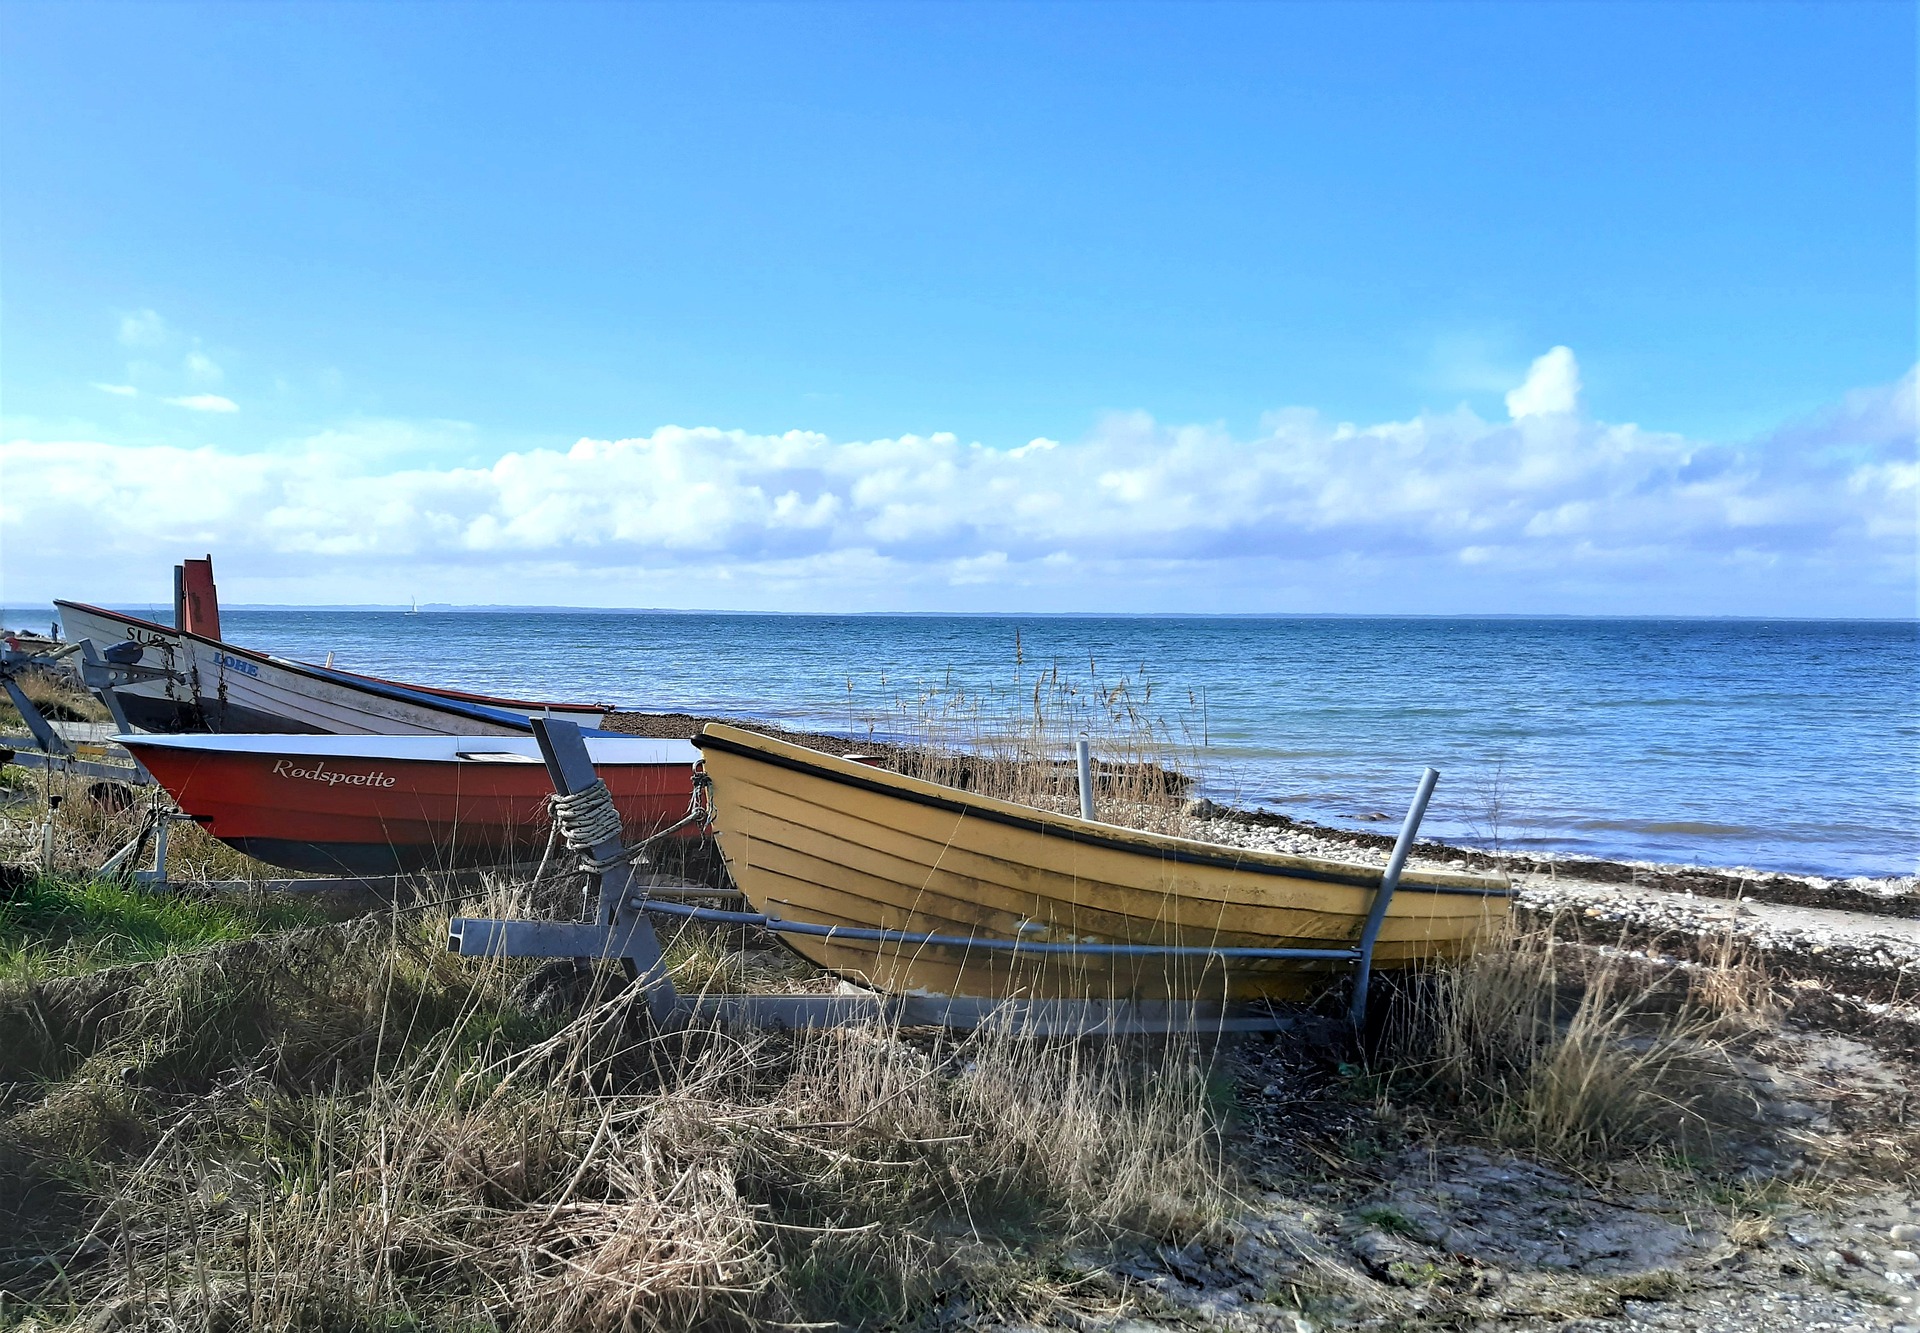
(494, 608)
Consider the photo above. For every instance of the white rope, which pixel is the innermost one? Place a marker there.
(588, 818)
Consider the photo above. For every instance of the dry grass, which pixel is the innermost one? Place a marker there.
(1579, 1054)
(346, 1129)
(58, 695)
(1752, 1231)
(342, 1128)
(1014, 741)
(92, 819)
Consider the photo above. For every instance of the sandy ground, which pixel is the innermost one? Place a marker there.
(1428, 1231)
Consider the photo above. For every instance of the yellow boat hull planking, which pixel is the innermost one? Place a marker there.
(812, 837)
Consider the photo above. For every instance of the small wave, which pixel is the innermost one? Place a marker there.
(1673, 828)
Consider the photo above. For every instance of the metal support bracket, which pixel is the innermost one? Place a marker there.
(156, 824)
(52, 750)
(50, 741)
(1030, 1018)
(96, 673)
(473, 937)
(625, 932)
(1083, 769)
(917, 939)
(479, 937)
(79, 768)
(1383, 896)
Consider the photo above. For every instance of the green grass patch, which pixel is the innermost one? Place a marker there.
(1388, 1219)
(55, 926)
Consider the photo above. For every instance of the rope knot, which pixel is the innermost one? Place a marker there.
(586, 819)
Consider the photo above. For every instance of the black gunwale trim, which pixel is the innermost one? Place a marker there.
(458, 709)
(1042, 827)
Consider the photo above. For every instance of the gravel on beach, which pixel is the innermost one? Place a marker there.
(1877, 950)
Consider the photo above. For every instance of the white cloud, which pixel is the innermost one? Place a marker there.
(205, 402)
(143, 328)
(1552, 386)
(118, 390)
(1446, 512)
(202, 369)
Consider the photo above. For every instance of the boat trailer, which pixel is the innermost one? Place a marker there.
(621, 931)
(101, 673)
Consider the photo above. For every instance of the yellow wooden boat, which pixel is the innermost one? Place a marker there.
(813, 838)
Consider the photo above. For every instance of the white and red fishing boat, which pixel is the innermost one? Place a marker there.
(216, 686)
(378, 805)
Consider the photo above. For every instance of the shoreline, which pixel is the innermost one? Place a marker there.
(1882, 895)
(1849, 949)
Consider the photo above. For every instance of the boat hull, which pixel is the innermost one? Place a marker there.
(388, 805)
(811, 837)
(219, 687)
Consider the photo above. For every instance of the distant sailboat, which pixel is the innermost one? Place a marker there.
(416, 608)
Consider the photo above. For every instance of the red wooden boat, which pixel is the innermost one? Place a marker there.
(380, 805)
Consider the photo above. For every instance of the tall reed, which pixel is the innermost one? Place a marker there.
(1013, 739)
(1576, 1052)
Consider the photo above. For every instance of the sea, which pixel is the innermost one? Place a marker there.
(1789, 745)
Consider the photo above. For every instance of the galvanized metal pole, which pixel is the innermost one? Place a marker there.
(1071, 948)
(570, 767)
(1083, 756)
(157, 878)
(46, 834)
(1383, 896)
(49, 740)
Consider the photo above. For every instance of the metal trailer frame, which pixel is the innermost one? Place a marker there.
(96, 674)
(620, 930)
(56, 754)
(156, 824)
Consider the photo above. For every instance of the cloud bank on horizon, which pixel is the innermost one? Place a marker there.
(1548, 511)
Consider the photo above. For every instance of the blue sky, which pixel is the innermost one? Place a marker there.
(402, 298)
